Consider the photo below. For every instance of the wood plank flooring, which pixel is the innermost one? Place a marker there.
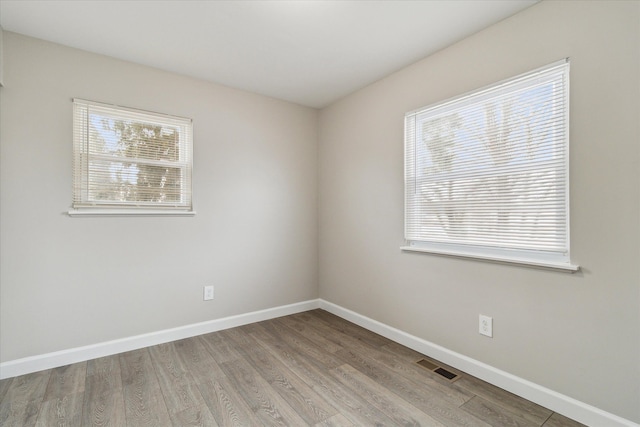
(307, 369)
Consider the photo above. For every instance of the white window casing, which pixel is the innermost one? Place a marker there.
(130, 162)
(487, 173)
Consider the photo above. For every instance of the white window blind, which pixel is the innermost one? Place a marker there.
(126, 159)
(486, 174)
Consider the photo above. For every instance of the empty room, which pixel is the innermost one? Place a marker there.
(320, 213)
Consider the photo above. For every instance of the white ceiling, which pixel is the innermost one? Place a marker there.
(308, 52)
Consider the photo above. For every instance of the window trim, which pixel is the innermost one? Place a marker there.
(79, 212)
(533, 258)
(458, 251)
(89, 208)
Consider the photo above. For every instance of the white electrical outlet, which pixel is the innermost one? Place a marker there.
(486, 325)
(208, 293)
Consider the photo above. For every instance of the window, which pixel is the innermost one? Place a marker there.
(487, 173)
(128, 161)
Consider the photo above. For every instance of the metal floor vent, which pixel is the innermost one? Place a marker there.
(437, 369)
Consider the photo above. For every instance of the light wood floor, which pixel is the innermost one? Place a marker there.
(308, 369)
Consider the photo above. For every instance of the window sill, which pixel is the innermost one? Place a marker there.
(128, 212)
(556, 265)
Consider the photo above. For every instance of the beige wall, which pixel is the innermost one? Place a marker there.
(577, 334)
(68, 282)
(1, 56)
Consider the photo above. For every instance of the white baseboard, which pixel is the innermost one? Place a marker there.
(550, 399)
(28, 365)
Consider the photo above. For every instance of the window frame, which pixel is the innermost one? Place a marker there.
(83, 204)
(535, 258)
